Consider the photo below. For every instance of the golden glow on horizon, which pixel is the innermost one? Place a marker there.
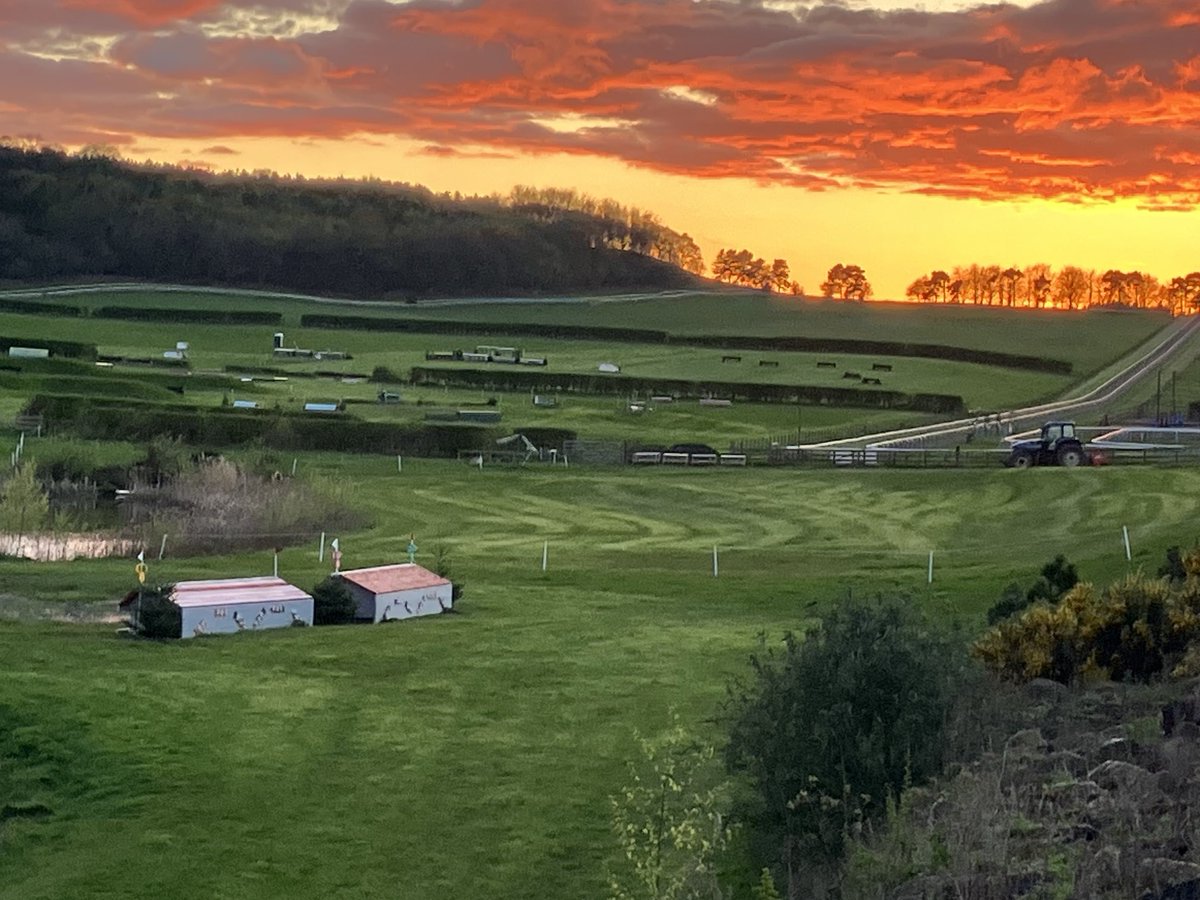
(819, 132)
(895, 237)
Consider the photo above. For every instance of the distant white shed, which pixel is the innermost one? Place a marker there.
(402, 591)
(227, 605)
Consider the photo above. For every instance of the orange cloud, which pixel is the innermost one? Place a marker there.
(145, 13)
(1079, 100)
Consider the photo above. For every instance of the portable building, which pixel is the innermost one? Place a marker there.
(401, 591)
(226, 605)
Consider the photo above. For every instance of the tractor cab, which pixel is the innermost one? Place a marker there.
(1053, 432)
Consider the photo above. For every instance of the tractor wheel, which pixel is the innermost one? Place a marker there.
(1070, 457)
(1021, 460)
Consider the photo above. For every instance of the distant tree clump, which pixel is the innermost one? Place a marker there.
(847, 283)
(744, 268)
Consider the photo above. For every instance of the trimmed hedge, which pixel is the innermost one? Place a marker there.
(525, 380)
(192, 316)
(84, 386)
(647, 336)
(268, 370)
(68, 349)
(38, 309)
(57, 366)
(215, 427)
(883, 348)
(445, 326)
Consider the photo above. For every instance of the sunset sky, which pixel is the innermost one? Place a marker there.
(899, 139)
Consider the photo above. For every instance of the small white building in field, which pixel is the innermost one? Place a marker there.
(227, 605)
(402, 591)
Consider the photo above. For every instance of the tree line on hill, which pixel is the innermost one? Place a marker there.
(89, 215)
(741, 267)
(1071, 287)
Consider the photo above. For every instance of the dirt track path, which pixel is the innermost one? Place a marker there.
(1174, 341)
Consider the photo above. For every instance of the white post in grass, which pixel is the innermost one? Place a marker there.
(716, 570)
(931, 567)
(321, 554)
(162, 548)
(294, 460)
(276, 567)
(399, 463)
(545, 554)
(1128, 552)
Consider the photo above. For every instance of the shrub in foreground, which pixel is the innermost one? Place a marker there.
(829, 726)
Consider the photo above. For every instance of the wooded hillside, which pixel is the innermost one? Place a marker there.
(67, 216)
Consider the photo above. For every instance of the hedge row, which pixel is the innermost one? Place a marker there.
(208, 427)
(646, 336)
(193, 316)
(38, 309)
(547, 382)
(523, 329)
(170, 379)
(58, 366)
(268, 370)
(68, 349)
(84, 386)
(883, 348)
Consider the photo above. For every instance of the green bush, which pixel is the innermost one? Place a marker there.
(442, 565)
(1056, 578)
(158, 616)
(829, 727)
(332, 602)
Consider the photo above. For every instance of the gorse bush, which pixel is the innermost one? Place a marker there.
(1134, 629)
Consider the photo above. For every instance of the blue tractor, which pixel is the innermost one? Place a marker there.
(1057, 446)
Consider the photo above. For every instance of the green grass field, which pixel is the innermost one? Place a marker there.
(1090, 341)
(1087, 339)
(473, 754)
